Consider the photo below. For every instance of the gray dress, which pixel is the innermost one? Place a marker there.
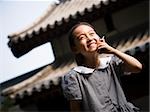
(98, 89)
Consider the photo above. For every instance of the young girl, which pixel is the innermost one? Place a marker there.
(93, 85)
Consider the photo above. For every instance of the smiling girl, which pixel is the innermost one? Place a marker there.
(93, 85)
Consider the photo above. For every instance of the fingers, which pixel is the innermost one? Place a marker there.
(102, 45)
(101, 42)
(101, 49)
(102, 39)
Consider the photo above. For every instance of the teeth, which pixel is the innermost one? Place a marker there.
(90, 44)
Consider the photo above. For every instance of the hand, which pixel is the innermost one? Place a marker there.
(103, 47)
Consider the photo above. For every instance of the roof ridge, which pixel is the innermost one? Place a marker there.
(28, 29)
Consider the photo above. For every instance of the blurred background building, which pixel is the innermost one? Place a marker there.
(125, 23)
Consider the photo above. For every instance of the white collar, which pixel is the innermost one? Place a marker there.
(104, 62)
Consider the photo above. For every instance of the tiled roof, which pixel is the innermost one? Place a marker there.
(50, 76)
(58, 19)
(58, 14)
(134, 44)
(45, 78)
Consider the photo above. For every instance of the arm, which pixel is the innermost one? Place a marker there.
(71, 90)
(75, 106)
(130, 63)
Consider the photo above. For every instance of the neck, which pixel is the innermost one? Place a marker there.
(91, 61)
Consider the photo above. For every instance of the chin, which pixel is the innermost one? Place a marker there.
(93, 50)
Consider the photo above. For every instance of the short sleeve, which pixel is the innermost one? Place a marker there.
(70, 86)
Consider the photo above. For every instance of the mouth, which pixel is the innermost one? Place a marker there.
(91, 44)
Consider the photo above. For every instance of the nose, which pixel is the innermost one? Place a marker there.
(89, 37)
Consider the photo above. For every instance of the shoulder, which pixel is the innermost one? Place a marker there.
(70, 76)
(70, 86)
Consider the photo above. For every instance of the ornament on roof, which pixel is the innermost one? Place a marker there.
(60, 1)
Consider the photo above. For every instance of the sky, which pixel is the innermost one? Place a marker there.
(14, 16)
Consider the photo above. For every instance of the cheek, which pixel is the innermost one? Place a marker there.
(97, 37)
(82, 45)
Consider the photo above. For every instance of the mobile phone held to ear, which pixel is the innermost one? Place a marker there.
(101, 50)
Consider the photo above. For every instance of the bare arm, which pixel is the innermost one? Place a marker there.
(75, 106)
(130, 63)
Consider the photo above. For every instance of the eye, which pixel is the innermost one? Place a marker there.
(92, 33)
(81, 37)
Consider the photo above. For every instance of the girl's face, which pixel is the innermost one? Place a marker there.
(85, 39)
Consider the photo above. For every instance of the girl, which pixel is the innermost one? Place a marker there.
(93, 85)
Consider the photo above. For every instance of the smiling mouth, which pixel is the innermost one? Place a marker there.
(90, 44)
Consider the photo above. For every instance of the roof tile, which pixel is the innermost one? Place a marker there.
(57, 13)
